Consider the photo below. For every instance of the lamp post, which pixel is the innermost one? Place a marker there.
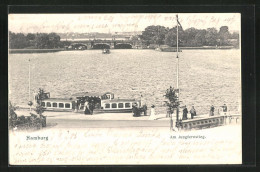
(29, 98)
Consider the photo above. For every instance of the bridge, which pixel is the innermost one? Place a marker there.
(102, 43)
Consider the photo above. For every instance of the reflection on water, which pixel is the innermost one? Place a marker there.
(206, 76)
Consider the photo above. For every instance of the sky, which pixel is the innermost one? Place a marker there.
(117, 22)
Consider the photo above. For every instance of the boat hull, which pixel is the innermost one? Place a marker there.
(112, 111)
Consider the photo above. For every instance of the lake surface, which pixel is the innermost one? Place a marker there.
(207, 77)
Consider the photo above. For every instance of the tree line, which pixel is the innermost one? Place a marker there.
(35, 41)
(190, 37)
(158, 35)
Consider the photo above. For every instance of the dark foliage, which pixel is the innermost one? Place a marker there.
(172, 99)
(190, 37)
(34, 41)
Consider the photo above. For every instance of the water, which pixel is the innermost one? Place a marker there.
(207, 77)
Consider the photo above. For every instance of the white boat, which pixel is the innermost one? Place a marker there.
(102, 103)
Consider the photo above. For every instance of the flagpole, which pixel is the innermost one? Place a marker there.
(30, 82)
(177, 82)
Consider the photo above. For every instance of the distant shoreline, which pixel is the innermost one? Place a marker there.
(209, 47)
(17, 51)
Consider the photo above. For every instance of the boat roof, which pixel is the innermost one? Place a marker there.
(58, 100)
(119, 100)
(88, 94)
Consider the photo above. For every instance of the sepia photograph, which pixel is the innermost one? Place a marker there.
(124, 89)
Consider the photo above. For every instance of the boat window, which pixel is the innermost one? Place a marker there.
(127, 105)
(61, 105)
(120, 105)
(114, 105)
(48, 104)
(67, 105)
(107, 105)
(43, 104)
(54, 105)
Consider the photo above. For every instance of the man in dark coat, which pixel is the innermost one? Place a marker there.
(185, 112)
(134, 110)
(211, 112)
(145, 110)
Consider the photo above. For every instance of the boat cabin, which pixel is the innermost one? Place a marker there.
(58, 104)
(54, 104)
(119, 105)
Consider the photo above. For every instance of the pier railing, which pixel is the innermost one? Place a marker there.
(207, 122)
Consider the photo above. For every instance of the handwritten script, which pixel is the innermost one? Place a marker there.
(121, 146)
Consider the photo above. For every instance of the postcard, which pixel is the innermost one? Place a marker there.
(124, 89)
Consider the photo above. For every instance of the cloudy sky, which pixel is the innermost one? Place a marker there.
(121, 22)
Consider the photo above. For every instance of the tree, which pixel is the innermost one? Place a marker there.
(40, 96)
(189, 37)
(172, 102)
(234, 35)
(42, 40)
(234, 39)
(170, 38)
(223, 35)
(200, 38)
(17, 41)
(12, 116)
(211, 36)
(30, 36)
(54, 40)
(50, 41)
(154, 34)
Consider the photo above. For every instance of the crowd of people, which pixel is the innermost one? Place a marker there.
(185, 113)
(193, 111)
(89, 107)
(138, 111)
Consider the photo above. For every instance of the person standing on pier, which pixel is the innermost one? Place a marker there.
(192, 112)
(134, 110)
(145, 109)
(224, 109)
(152, 116)
(211, 112)
(185, 113)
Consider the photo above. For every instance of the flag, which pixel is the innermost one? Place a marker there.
(179, 22)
